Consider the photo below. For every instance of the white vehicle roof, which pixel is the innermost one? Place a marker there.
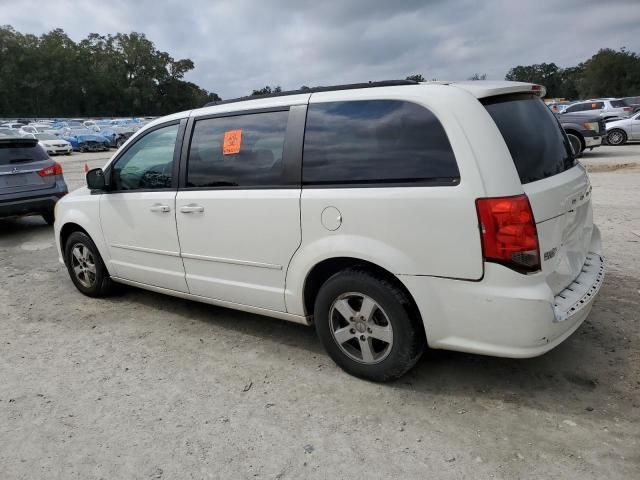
(477, 88)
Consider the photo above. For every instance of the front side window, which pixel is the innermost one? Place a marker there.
(375, 142)
(238, 151)
(148, 163)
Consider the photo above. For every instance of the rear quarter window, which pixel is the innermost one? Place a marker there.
(618, 103)
(535, 139)
(371, 142)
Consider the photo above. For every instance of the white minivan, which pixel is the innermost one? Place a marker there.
(388, 214)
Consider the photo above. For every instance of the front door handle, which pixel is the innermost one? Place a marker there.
(156, 207)
(192, 208)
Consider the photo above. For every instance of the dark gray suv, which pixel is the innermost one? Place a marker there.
(30, 182)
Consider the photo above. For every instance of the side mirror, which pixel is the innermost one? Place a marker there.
(95, 179)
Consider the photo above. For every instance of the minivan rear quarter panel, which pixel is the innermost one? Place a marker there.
(406, 229)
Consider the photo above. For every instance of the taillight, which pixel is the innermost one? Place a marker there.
(55, 169)
(508, 232)
(626, 109)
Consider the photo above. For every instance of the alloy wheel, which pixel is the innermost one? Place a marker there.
(361, 328)
(84, 265)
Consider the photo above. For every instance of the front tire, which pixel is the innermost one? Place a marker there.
(368, 325)
(616, 137)
(85, 266)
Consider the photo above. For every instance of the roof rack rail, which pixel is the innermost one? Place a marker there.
(329, 88)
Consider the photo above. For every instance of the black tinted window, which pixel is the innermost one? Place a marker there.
(618, 103)
(245, 150)
(20, 152)
(375, 141)
(537, 144)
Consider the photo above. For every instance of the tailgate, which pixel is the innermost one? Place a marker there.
(20, 161)
(561, 206)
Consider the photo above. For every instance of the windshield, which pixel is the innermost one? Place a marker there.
(537, 143)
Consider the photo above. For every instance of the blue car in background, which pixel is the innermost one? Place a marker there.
(87, 141)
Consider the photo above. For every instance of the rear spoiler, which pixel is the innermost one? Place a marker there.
(489, 88)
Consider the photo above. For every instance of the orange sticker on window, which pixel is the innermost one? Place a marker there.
(232, 141)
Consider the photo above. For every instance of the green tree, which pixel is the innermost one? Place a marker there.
(266, 90)
(416, 77)
(610, 73)
(478, 76)
(121, 74)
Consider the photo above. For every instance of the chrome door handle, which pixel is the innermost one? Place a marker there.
(160, 208)
(192, 208)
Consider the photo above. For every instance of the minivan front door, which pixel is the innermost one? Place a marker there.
(138, 212)
(238, 213)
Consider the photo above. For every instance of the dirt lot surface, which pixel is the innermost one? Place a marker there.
(146, 386)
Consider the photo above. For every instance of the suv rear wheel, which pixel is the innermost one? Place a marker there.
(366, 325)
(86, 268)
(49, 217)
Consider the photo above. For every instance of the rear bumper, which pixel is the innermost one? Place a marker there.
(505, 314)
(31, 204)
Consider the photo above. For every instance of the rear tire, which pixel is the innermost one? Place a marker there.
(616, 137)
(85, 266)
(368, 325)
(49, 217)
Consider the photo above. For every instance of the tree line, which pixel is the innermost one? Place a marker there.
(608, 73)
(124, 74)
(102, 75)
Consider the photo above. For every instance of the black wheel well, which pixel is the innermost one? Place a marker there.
(577, 134)
(66, 230)
(321, 272)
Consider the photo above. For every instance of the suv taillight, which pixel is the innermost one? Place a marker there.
(626, 109)
(508, 232)
(55, 169)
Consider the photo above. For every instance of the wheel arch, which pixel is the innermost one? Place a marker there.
(328, 267)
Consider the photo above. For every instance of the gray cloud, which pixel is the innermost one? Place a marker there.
(240, 45)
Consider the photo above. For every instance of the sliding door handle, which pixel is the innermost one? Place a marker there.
(192, 208)
(160, 208)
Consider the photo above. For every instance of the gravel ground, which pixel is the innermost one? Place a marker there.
(146, 386)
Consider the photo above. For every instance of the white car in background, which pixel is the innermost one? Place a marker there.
(53, 145)
(621, 131)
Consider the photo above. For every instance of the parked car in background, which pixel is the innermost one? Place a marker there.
(604, 107)
(388, 214)
(116, 135)
(53, 145)
(583, 132)
(13, 125)
(621, 131)
(83, 140)
(9, 132)
(30, 182)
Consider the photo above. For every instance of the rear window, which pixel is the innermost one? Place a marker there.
(533, 135)
(20, 152)
(372, 142)
(618, 103)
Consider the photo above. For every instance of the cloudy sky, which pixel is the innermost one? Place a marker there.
(239, 45)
